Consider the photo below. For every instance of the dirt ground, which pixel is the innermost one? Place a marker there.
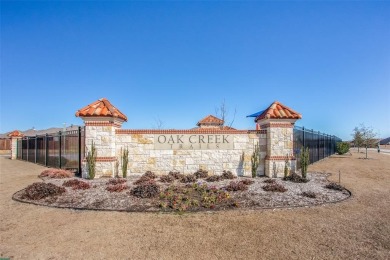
(357, 228)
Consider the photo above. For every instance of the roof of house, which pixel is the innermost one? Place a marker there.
(34, 132)
(210, 120)
(100, 108)
(277, 111)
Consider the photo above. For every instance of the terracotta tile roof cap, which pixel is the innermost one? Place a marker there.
(101, 108)
(15, 133)
(278, 111)
(210, 120)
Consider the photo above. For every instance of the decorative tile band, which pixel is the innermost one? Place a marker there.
(190, 131)
(279, 125)
(104, 159)
(97, 123)
(279, 158)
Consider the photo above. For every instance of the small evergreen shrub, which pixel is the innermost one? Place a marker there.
(334, 186)
(40, 190)
(91, 161)
(255, 160)
(274, 187)
(304, 160)
(56, 174)
(124, 161)
(188, 178)
(228, 175)
(77, 184)
(167, 179)
(201, 174)
(342, 147)
(146, 190)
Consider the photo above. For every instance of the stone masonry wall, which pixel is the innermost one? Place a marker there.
(143, 155)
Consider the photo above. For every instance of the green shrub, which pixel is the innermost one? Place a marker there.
(305, 160)
(255, 160)
(342, 147)
(91, 161)
(124, 161)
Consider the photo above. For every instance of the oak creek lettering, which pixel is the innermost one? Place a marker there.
(194, 141)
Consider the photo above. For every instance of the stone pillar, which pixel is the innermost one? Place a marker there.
(15, 136)
(101, 131)
(101, 120)
(279, 146)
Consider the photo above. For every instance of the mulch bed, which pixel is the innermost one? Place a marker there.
(97, 197)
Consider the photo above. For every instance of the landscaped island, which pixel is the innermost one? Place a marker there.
(179, 192)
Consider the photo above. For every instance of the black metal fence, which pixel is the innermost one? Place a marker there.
(320, 145)
(63, 150)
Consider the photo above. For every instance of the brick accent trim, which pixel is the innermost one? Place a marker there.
(104, 159)
(279, 125)
(190, 131)
(97, 123)
(279, 158)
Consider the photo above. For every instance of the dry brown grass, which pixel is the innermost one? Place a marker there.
(357, 228)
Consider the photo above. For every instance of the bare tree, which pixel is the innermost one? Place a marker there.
(365, 136)
(158, 123)
(223, 111)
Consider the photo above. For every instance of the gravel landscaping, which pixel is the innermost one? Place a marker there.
(356, 228)
(96, 195)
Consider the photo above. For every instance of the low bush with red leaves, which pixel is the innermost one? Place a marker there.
(201, 174)
(117, 187)
(167, 179)
(274, 187)
(115, 181)
(146, 190)
(149, 175)
(176, 175)
(40, 190)
(236, 186)
(247, 181)
(188, 178)
(269, 181)
(227, 175)
(213, 178)
(142, 179)
(56, 174)
(77, 184)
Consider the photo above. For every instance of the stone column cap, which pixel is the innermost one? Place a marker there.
(278, 111)
(101, 108)
(15, 134)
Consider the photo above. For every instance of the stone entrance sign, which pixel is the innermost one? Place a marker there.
(193, 142)
(211, 146)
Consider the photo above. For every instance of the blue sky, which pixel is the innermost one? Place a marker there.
(177, 61)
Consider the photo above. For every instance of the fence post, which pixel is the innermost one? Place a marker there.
(46, 150)
(28, 141)
(35, 161)
(60, 146)
(318, 145)
(79, 148)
